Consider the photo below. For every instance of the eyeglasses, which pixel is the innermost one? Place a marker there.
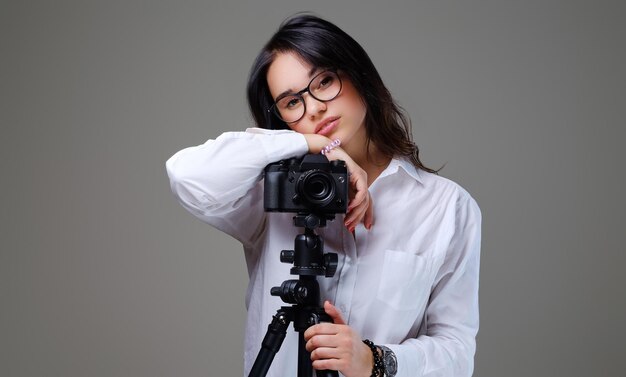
(291, 107)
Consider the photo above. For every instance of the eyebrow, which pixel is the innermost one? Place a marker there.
(287, 92)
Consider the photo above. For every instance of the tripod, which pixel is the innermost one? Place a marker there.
(309, 261)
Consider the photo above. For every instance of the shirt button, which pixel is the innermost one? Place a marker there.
(342, 308)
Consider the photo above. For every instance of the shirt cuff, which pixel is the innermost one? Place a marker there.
(411, 359)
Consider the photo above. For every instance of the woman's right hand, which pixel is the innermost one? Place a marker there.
(360, 207)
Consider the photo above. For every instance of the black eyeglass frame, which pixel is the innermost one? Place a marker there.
(305, 90)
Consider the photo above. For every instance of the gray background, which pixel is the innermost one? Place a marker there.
(104, 274)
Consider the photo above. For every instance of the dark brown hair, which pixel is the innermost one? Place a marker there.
(322, 44)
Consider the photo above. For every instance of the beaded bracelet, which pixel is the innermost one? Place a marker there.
(378, 369)
(334, 144)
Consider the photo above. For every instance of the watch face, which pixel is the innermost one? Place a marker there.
(390, 361)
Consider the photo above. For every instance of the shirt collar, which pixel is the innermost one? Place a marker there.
(402, 163)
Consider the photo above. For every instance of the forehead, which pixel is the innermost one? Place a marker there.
(288, 73)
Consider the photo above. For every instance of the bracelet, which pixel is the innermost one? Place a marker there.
(334, 144)
(378, 369)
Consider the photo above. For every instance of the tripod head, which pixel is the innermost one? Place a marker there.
(309, 260)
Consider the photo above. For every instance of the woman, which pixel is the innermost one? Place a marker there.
(407, 278)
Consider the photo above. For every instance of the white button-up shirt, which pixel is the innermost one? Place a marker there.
(410, 283)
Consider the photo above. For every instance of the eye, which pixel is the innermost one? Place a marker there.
(290, 102)
(325, 81)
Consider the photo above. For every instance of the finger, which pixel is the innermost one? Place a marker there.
(358, 180)
(355, 217)
(369, 214)
(356, 206)
(334, 313)
(358, 200)
(357, 214)
(322, 341)
(328, 364)
(360, 195)
(325, 353)
(324, 328)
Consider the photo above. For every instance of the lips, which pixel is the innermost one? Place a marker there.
(327, 126)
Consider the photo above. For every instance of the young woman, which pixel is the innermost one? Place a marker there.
(409, 245)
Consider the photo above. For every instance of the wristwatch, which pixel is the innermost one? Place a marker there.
(389, 361)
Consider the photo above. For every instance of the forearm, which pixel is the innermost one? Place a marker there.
(224, 169)
(316, 142)
(219, 181)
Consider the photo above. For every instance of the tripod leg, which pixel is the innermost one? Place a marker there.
(305, 367)
(276, 332)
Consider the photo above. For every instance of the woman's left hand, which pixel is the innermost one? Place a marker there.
(336, 346)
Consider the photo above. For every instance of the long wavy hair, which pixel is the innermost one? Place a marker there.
(322, 44)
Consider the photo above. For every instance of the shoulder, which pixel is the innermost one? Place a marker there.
(433, 191)
(448, 191)
(437, 187)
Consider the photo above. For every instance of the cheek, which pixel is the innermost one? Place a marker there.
(362, 111)
(355, 104)
(357, 110)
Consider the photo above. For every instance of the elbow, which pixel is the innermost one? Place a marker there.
(186, 185)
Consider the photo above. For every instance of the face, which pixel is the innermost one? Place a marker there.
(341, 118)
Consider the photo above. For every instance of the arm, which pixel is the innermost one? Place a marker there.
(448, 346)
(218, 180)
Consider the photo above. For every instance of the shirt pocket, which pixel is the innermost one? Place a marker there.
(405, 280)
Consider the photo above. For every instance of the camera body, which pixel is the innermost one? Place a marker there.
(310, 184)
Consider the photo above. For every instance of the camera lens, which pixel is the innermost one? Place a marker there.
(316, 188)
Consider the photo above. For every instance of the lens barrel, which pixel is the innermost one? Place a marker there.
(316, 188)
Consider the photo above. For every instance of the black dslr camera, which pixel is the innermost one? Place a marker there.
(310, 184)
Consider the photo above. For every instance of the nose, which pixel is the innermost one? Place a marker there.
(313, 106)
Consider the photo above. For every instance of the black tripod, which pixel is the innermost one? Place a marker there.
(309, 261)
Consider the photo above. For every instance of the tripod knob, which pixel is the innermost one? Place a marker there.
(330, 263)
(312, 221)
(294, 291)
(287, 256)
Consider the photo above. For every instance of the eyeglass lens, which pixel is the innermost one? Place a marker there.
(324, 87)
